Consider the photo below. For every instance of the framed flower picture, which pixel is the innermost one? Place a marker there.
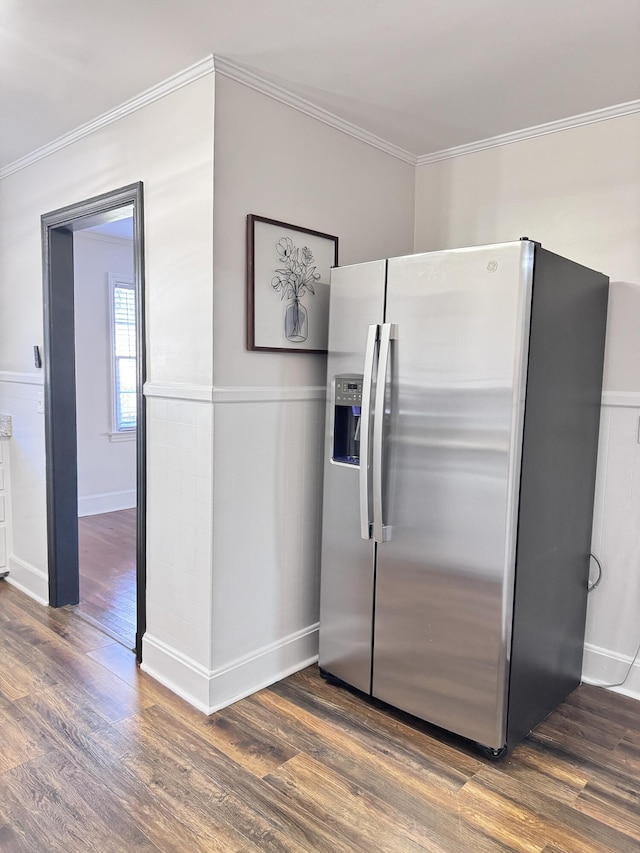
(288, 272)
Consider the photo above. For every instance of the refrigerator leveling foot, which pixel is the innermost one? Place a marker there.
(490, 753)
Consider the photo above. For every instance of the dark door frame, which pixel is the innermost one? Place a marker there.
(60, 392)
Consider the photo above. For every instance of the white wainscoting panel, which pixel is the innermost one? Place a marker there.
(179, 522)
(4, 485)
(613, 615)
(234, 502)
(267, 494)
(25, 500)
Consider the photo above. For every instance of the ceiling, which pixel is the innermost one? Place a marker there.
(425, 75)
(122, 229)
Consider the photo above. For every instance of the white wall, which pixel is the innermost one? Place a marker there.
(168, 145)
(106, 469)
(276, 162)
(578, 193)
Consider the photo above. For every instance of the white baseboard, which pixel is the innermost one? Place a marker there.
(211, 690)
(106, 502)
(605, 668)
(265, 666)
(180, 673)
(28, 579)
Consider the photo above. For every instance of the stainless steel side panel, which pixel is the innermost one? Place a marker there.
(346, 587)
(444, 592)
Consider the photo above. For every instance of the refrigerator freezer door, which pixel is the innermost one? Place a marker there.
(455, 402)
(346, 592)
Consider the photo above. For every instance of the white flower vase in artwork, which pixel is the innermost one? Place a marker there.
(296, 322)
(293, 279)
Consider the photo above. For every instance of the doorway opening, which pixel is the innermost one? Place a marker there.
(106, 396)
(94, 410)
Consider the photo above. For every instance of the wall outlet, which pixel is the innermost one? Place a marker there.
(41, 402)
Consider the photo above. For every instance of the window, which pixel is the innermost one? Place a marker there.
(123, 348)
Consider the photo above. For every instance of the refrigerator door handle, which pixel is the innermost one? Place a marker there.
(381, 532)
(365, 424)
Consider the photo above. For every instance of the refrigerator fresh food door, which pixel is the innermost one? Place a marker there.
(455, 389)
(346, 596)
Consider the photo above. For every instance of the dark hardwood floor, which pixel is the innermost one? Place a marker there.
(96, 756)
(107, 552)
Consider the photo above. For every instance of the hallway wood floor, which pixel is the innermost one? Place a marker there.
(107, 552)
(97, 756)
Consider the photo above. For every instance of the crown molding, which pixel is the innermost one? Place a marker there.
(227, 68)
(160, 90)
(103, 238)
(570, 123)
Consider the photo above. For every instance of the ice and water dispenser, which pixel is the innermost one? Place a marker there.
(346, 423)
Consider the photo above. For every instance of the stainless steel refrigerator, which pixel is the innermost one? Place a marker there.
(463, 405)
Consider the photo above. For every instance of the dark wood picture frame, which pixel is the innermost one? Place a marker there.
(278, 270)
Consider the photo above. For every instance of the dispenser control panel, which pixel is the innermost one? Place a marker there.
(348, 390)
(346, 419)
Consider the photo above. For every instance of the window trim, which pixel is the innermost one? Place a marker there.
(122, 281)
